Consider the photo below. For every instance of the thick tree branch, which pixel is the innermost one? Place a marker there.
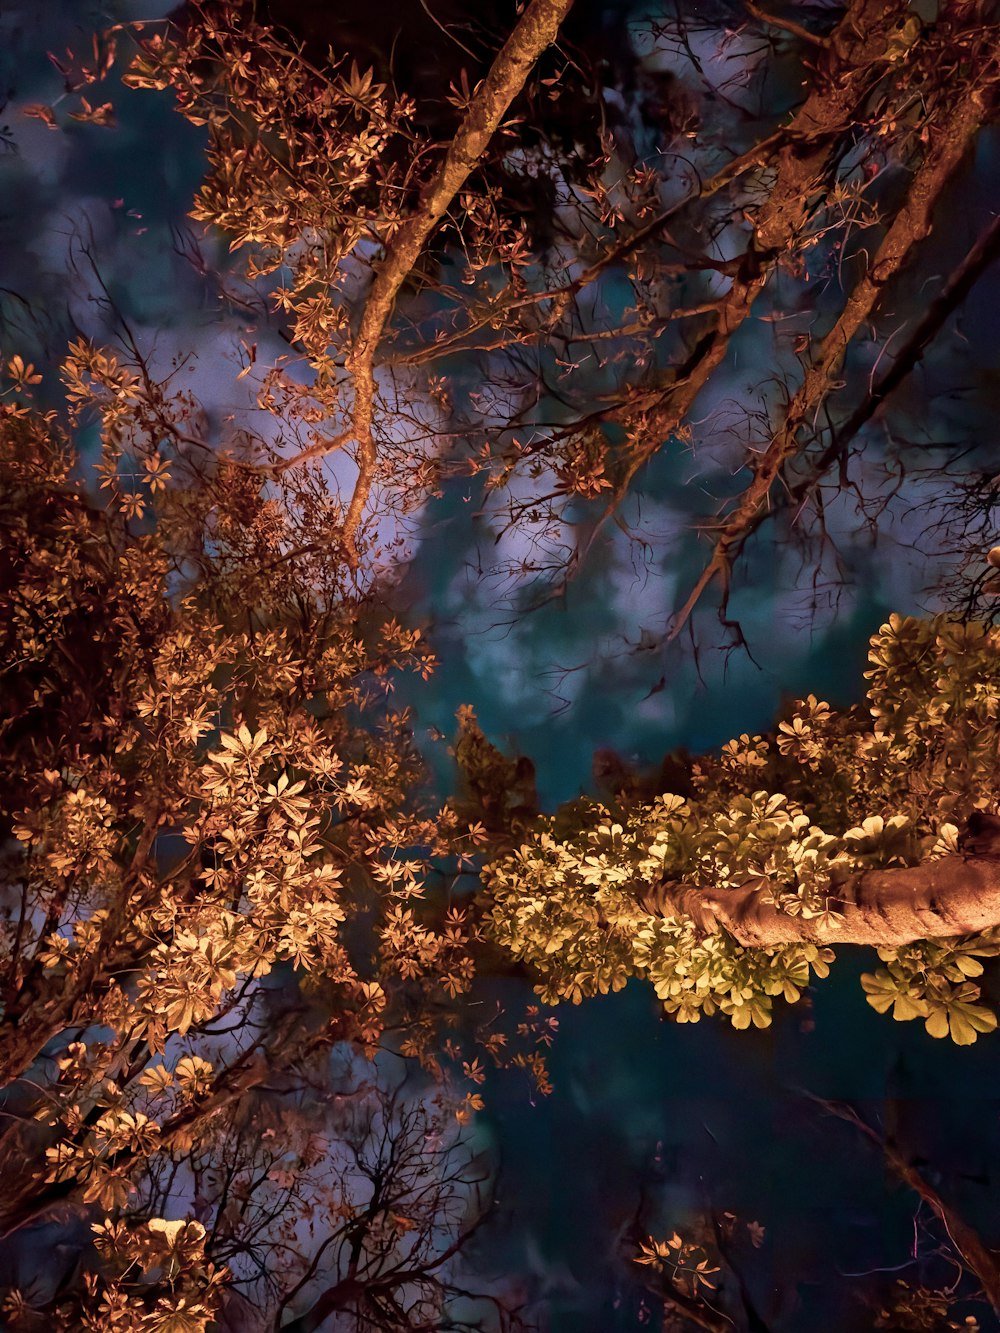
(956, 895)
(535, 31)
(848, 69)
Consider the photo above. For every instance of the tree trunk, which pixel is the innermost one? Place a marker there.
(956, 895)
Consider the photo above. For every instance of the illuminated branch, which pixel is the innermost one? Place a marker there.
(560, 297)
(911, 225)
(786, 25)
(535, 31)
(848, 69)
(955, 895)
(27, 1201)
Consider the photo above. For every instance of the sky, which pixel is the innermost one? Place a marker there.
(695, 1115)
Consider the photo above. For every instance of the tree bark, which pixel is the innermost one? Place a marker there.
(956, 895)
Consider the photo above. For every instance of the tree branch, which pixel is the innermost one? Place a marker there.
(847, 70)
(503, 304)
(910, 226)
(955, 895)
(965, 1239)
(35, 1198)
(535, 31)
(786, 25)
(982, 254)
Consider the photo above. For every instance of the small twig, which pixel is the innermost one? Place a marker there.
(318, 450)
(787, 25)
(963, 1237)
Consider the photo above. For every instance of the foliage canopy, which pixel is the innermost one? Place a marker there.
(230, 895)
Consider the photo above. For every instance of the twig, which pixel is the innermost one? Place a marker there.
(787, 25)
(627, 245)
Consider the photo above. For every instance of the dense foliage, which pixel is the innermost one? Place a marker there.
(214, 874)
(794, 814)
(233, 903)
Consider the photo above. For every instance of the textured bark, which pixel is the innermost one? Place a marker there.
(848, 68)
(956, 895)
(535, 31)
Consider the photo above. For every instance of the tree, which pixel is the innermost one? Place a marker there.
(317, 169)
(216, 878)
(223, 860)
(838, 829)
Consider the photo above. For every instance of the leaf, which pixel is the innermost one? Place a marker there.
(961, 1019)
(756, 1011)
(193, 1073)
(39, 111)
(180, 1014)
(103, 115)
(183, 1230)
(157, 1078)
(968, 966)
(937, 1023)
(21, 373)
(884, 992)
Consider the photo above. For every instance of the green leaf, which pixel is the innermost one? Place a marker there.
(960, 1019)
(885, 992)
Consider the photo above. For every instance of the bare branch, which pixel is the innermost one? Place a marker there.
(847, 71)
(911, 225)
(965, 1239)
(560, 297)
(786, 25)
(981, 255)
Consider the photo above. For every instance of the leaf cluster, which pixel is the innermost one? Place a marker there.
(828, 795)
